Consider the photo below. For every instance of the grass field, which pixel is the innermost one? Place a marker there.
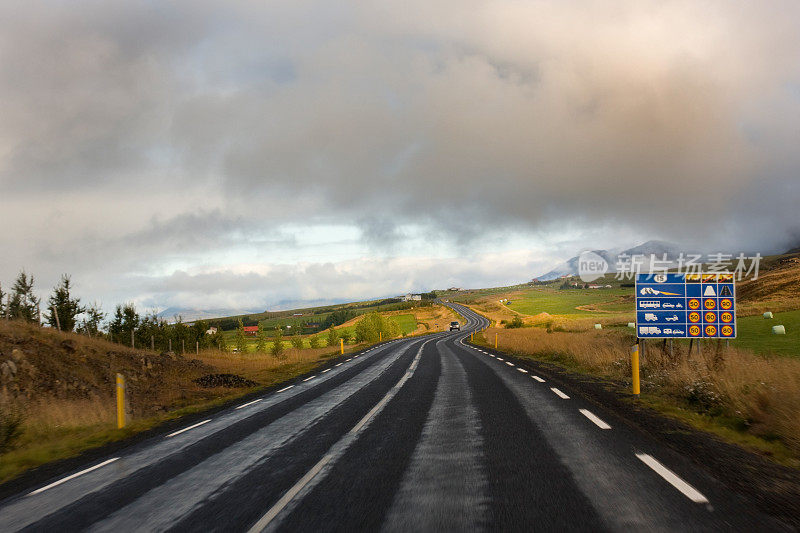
(565, 302)
(407, 323)
(755, 333)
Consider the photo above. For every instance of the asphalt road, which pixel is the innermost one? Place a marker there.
(421, 434)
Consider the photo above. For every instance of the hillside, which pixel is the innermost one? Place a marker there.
(62, 386)
(777, 287)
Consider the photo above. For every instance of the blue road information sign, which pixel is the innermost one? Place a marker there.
(697, 306)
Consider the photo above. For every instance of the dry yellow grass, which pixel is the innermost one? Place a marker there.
(263, 367)
(759, 395)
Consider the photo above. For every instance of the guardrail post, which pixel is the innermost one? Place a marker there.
(120, 401)
(635, 368)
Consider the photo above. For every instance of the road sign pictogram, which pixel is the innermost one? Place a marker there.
(670, 305)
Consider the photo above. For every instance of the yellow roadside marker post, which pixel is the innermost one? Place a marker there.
(380, 336)
(341, 346)
(495, 341)
(635, 368)
(120, 401)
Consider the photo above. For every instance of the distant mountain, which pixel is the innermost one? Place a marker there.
(659, 248)
(191, 315)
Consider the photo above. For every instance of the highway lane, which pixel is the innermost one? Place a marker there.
(417, 434)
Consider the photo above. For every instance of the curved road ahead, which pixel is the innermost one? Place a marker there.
(419, 434)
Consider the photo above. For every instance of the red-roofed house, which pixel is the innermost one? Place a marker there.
(251, 330)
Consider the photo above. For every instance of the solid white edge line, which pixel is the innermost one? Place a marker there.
(249, 403)
(559, 393)
(672, 478)
(537, 378)
(187, 429)
(73, 476)
(326, 370)
(310, 378)
(285, 388)
(594, 418)
(522, 370)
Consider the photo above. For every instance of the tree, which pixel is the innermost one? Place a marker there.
(261, 341)
(373, 326)
(2, 299)
(313, 342)
(126, 320)
(297, 342)
(94, 316)
(62, 308)
(277, 343)
(333, 336)
(24, 303)
(241, 339)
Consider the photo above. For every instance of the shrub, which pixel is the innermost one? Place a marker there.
(10, 428)
(516, 322)
(297, 342)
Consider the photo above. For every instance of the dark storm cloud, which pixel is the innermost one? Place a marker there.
(206, 124)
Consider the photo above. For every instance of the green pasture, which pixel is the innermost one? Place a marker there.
(755, 333)
(564, 301)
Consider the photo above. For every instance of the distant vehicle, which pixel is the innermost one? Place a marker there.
(454, 325)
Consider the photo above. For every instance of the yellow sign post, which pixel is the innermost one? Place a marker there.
(120, 401)
(341, 346)
(635, 368)
(495, 341)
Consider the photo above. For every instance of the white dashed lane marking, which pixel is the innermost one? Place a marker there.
(537, 378)
(248, 403)
(672, 478)
(73, 476)
(559, 393)
(326, 370)
(309, 378)
(285, 388)
(190, 427)
(522, 370)
(594, 418)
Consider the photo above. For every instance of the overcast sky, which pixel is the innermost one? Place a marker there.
(242, 154)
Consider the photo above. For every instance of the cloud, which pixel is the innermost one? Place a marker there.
(141, 140)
